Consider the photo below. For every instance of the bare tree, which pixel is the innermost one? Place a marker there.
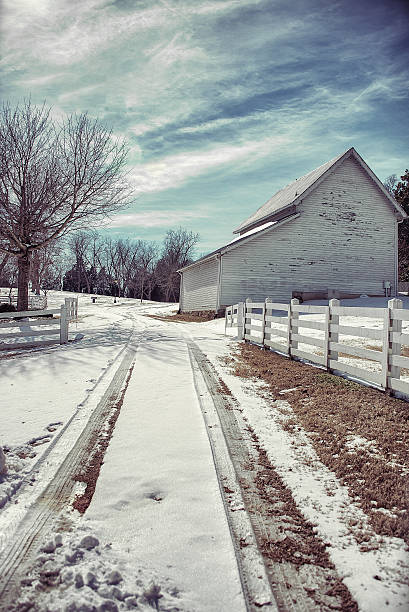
(45, 266)
(390, 183)
(177, 252)
(54, 178)
(146, 262)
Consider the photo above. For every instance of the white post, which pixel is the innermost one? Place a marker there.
(326, 337)
(246, 308)
(292, 326)
(63, 325)
(263, 326)
(69, 309)
(240, 320)
(225, 319)
(333, 336)
(394, 344)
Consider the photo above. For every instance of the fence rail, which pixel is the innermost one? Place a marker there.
(35, 302)
(316, 334)
(22, 326)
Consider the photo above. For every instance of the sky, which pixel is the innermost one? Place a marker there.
(222, 102)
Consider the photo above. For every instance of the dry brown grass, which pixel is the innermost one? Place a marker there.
(336, 409)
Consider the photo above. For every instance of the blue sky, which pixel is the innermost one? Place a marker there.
(222, 102)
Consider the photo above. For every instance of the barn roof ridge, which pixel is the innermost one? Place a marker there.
(295, 191)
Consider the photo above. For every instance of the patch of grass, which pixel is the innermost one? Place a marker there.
(338, 381)
(333, 409)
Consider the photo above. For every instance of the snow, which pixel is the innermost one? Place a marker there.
(158, 479)
(157, 512)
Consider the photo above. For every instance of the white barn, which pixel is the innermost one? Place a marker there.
(332, 233)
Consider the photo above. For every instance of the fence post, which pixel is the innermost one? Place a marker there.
(263, 335)
(263, 321)
(333, 336)
(394, 345)
(246, 308)
(292, 326)
(326, 337)
(225, 319)
(240, 321)
(68, 306)
(63, 324)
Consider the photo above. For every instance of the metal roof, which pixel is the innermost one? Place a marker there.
(299, 188)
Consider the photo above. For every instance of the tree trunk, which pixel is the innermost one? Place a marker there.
(3, 263)
(23, 278)
(35, 272)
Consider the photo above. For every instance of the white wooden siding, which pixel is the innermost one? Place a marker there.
(200, 286)
(344, 239)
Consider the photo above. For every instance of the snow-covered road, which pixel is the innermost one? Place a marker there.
(158, 515)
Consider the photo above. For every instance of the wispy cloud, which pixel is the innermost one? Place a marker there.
(218, 96)
(157, 218)
(173, 171)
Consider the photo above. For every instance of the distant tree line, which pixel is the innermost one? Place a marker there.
(400, 191)
(89, 262)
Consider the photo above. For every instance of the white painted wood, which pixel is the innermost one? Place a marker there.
(309, 308)
(326, 336)
(276, 346)
(274, 331)
(30, 334)
(308, 340)
(395, 348)
(312, 324)
(360, 373)
(342, 240)
(200, 286)
(361, 332)
(255, 328)
(63, 325)
(27, 345)
(333, 335)
(400, 361)
(254, 316)
(279, 320)
(28, 313)
(29, 324)
(252, 339)
(263, 328)
(400, 314)
(240, 320)
(386, 338)
(398, 337)
(397, 384)
(308, 356)
(352, 311)
(357, 351)
(277, 306)
(293, 317)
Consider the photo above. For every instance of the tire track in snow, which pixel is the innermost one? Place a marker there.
(253, 574)
(46, 510)
(237, 476)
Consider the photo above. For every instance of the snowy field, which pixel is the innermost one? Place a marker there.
(156, 520)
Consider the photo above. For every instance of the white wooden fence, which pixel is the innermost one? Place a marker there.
(23, 331)
(35, 302)
(325, 336)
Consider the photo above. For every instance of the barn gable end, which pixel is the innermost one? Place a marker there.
(344, 239)
(338, 235)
